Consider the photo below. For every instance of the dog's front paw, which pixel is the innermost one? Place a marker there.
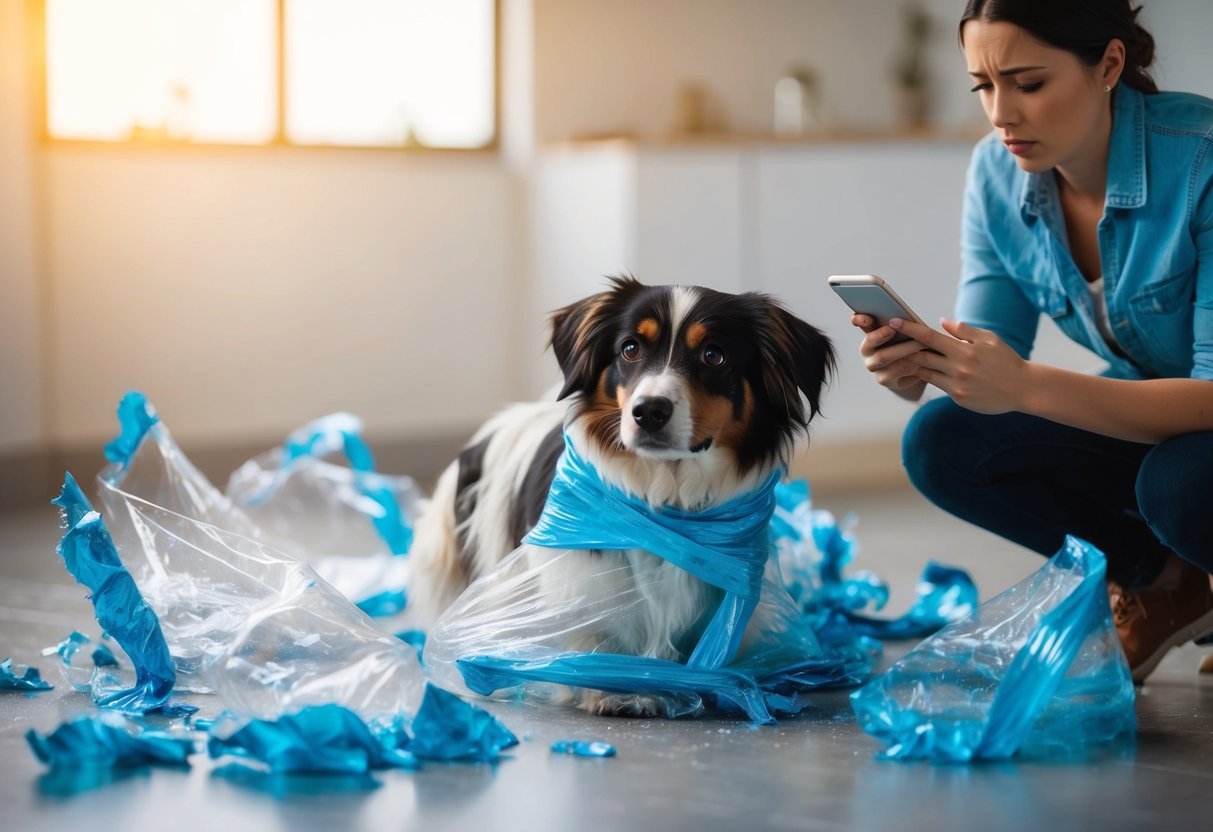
(631, 704)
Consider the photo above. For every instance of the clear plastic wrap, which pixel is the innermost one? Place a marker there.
(554, 622)
(1037, 670)
(240, 618)
(814, 549)
(350, 523)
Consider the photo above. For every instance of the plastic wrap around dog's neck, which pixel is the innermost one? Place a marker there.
(726, 546)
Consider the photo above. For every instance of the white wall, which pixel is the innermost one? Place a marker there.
(21, 330)
(246, 291)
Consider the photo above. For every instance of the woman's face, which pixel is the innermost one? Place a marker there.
(1048, 107)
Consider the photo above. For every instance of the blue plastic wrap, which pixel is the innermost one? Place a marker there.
(90, 556)
(319, 738)
(108, 741)
(29, 680)
(332, 739)
(349, 522)
(447, 728)
(583, 748)
(1037, 670)
(536, 623)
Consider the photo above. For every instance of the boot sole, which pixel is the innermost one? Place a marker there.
(1182, 636)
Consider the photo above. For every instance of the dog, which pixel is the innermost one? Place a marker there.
(681, 396)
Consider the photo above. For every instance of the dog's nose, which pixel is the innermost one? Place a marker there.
(652, 412)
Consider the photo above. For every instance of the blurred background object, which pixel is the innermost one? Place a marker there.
(262, 211)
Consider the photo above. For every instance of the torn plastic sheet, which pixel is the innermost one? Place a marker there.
(583, 748)
(108, 741)
(29, 680)
(350, 523)
(243, 619)
(552, 622)
(447, 728)
(1037, 670)
(90, 556)
(332, 739)
(80, 675)
(319, 738)
(814, 549)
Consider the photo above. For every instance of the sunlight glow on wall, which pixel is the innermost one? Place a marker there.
(390, 72)
(358, 72)
(197, 70)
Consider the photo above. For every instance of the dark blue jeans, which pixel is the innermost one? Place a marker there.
(1033, 481)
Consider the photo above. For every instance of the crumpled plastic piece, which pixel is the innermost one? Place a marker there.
(583, 748)
(350, 523)
(90, 556)
(548, 617)
(241, 618)
(447, 728)
(1037, 670)
(945, 594)
(108, 740)
(814, 549)
(29, 680)
(329, 738)
(79, 675)
(104, 657)
(319, 738)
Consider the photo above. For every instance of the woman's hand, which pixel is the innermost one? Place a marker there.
(973, 366)
(889, 364)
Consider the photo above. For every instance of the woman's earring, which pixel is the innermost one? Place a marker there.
(1107, 88)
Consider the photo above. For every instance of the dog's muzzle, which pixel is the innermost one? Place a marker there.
(652, 412)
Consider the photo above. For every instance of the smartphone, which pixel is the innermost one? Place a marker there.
(868, 294)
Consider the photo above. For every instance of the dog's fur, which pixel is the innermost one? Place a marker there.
(727, 371)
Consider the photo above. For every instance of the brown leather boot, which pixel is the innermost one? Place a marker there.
(1152, 621)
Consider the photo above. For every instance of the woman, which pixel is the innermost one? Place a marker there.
(1091, 202)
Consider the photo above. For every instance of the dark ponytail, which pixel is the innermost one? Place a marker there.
(1081, 27)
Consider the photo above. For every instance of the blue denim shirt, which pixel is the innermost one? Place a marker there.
(1155, 243)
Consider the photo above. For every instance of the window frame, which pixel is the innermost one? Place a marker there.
(279, 141)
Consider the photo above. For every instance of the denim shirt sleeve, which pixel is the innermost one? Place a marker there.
(989, 298)
(1202, 316)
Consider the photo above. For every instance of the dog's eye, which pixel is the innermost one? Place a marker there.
(712, 356)
(630, 350)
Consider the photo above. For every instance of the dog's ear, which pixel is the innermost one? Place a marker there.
(575, 352)
(582, 335)
(797, 356)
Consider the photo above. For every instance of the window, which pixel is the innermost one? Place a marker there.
(382, 73)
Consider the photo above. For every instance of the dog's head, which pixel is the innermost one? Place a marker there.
(670, 372)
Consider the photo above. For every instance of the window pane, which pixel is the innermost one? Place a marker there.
(390, 72)
(198, 70)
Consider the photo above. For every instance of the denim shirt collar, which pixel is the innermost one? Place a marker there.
(1126, 186)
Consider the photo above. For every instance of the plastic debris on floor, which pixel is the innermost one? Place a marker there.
(813, 551)
(22, 678)
(583, 748)
(1037, 670)
(242, 619)
(188, 586)
(108, 740)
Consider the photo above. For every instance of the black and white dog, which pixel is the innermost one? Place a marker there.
(681, 396)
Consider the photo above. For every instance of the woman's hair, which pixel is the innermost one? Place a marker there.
(1081, 27)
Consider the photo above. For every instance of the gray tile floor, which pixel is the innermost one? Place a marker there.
(816, 772)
